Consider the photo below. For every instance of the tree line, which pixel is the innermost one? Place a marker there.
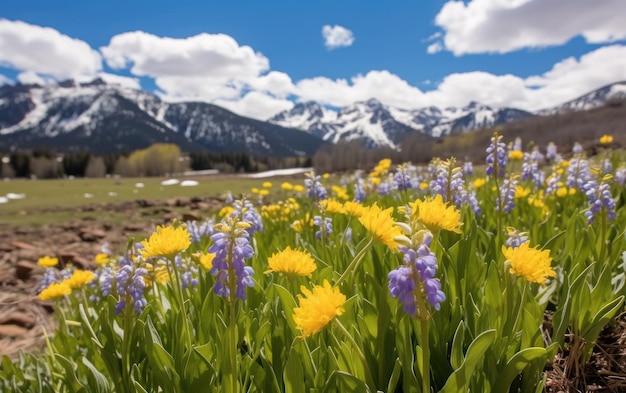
(157, 160)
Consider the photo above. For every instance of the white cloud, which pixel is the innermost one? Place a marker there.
(503, 26)
(44, 50)
(256, 105)
(209, 55)
(390, 89)
(434, 48)
(32, 78)
(337, 36)
(5, 81)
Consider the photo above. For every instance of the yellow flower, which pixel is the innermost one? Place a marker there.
(267, 184)
(102, 259)
(156, 273)
(206, 260)
(332, 206)
(286, 186)
(340, 192)
(381, 225)
(298, 188)
(479, 183)
(79, 278)
(530, 263)
(516, 155)
(424, 185)
(226, 211)
(606, 139)
(47, 261)
(318, 308)
(521, 192)
(255, 190)
(302, 224)
(55, 291)
(166, 242)
(325, 175)
(436, 215)
(292, 263)
(354, 209)
(264, 192)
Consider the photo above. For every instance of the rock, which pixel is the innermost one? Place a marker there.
(171, 202)
(92, 234)
(183, 201)
(19, 318)
(24, 269)
(191, 217)
(22, 246)
(12, 331)
(133, 227)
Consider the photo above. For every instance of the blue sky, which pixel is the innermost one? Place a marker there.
(259, 57)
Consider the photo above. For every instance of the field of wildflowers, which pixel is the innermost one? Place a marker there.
(403, 279)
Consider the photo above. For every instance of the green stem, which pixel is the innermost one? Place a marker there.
(425, 355)
(355, 262)
(368, 372)
(232, 381)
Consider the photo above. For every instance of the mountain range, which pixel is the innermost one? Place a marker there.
(106, 118)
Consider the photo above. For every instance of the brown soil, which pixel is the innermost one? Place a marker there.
(23, 317)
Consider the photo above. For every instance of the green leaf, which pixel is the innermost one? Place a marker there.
(97, 381)
(460, 379)
(340, 381)
(288, 303)
(515, 365)
(293, 374)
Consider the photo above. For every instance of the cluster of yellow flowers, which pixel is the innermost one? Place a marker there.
(63, 288)
(282, 211)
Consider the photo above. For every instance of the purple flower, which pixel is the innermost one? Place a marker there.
(620, 176)
(551, 151)
(314, 188)
(599, 197)
(231, 246)
(496, 156)
(49, 277)
(577, 149)
(530, 168)
(402, 178)
(515, 238)
(579, 173)
(130, 286)
(359, 191)
(468, 168)
(403, 281)
(326, 228)
(507, 195)
(245, 211)
(200, 230)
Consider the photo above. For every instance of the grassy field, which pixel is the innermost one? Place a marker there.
(54, 200)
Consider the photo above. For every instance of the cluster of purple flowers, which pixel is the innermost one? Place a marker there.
(468, 168)
(402, 178)
(49, 277)
(314, 188)
(530, 168)
(245, 211)
(450, 184)
(325, 226)
(599, 197)
(130, 285)
(496, 156)
(579, 173)
(551, 153)
(506, 199)
(359, 191)
(415, 277)
(201, 230)
(385, 187)
(620, 176)
(189, 275)
(231, 246)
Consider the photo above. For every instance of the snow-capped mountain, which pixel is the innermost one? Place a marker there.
(379, 125)
(108, 118)
(369, 121)
(594, 99)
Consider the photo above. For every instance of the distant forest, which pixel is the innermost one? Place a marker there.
(584, 127)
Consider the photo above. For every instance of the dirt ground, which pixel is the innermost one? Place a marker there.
(24, 318)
